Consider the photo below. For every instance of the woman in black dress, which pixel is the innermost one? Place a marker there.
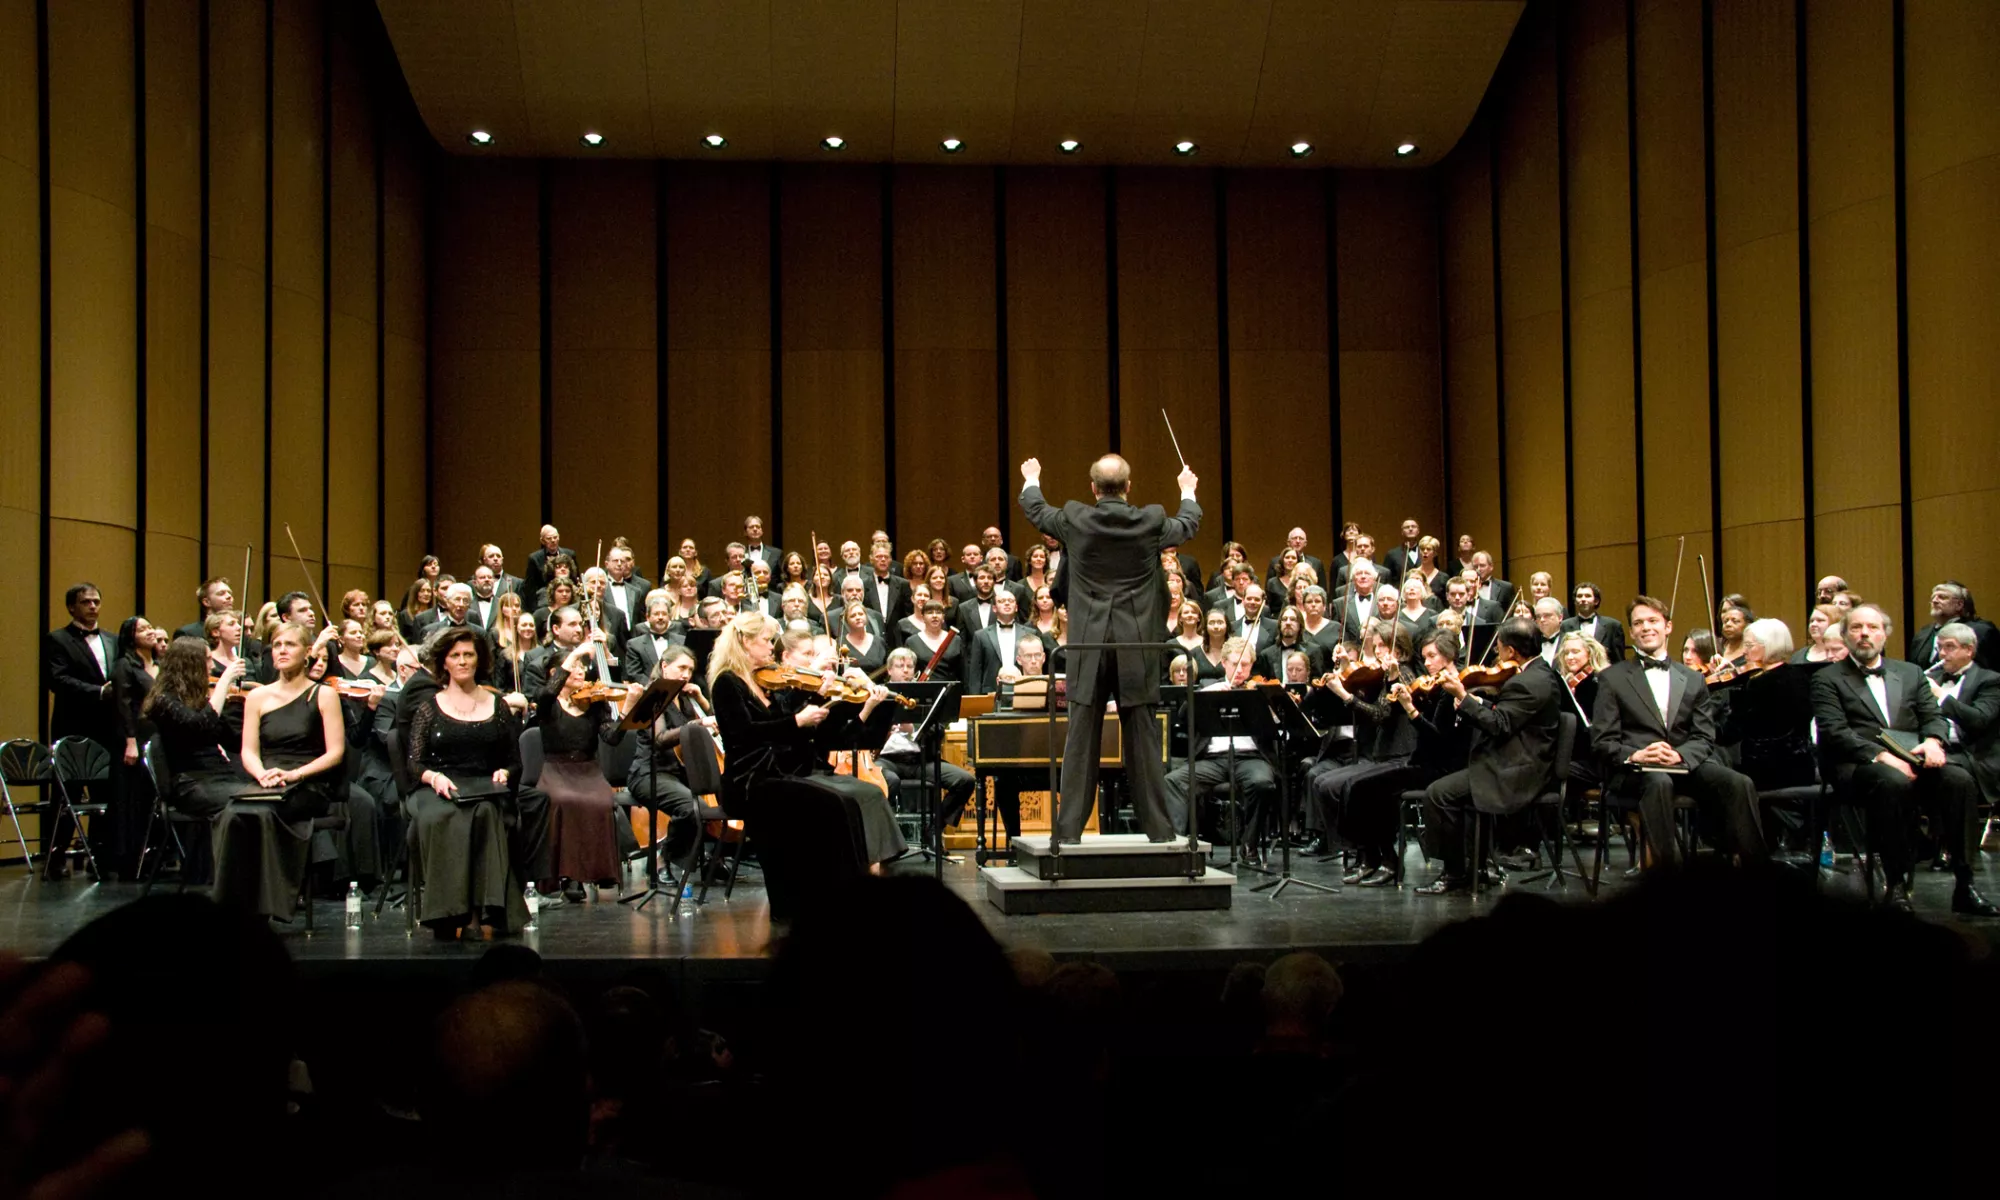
(294, 740)
(927, 641)
(864, 651)
(418, 611)
(1384, 739)
(132, 674)
(463, 739)
(769, 737)
(582, 840)
(187, 710)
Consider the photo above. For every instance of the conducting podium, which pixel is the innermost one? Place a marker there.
(1016, 746)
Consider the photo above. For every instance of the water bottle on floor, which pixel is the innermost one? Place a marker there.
(686, 907)
(533, 899)
(353, 905)
(1826, 850)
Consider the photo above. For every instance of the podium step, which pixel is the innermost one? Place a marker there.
(1110, 856)
(1017, 893)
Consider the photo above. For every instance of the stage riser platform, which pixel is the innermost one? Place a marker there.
(1015, 892)
(1125, 856)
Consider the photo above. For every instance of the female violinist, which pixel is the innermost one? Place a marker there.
(1698, 650)
(1768, 711)
(1383, 741)
(1578, 660)
(582, 844)
(1733, 616)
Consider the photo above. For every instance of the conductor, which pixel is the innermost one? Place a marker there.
(1117, 593)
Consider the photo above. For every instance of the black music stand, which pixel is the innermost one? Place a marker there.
(937, 702)
(701, 642)
(1294, 729)
(1229, 713)
(644, 711)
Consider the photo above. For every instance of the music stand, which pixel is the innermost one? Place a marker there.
(1294, 728)
(652, 702)
(937, 707)
(1230, 713)
(702, 643)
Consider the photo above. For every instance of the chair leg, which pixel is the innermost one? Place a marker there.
(7, 798)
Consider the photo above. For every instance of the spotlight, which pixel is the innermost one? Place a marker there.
(1185, 148)
(479, 137)
(1069, 145)
(952, 145)
(1406, 149)
(832, 143)
(1302, 149)
(593, 140)
(715, 141)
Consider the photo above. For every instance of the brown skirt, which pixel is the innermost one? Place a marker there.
(582, 838)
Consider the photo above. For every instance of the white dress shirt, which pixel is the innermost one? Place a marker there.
(1949, 691)
(882, 596)
(1661, 683)
(1878, 687)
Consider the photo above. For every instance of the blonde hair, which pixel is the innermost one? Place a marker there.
(730, 655)
(1599, 659)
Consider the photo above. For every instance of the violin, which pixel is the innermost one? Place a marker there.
(584, 694)
(1575, 679)
(777, 677)
(1470, 677)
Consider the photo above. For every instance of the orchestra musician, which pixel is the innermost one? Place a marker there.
(902, 758)
(1579, 660)
(1767, 710)
(1968, 698)
(294, 740)
(1733, 616)
(1208, 766)
(582, 845)
(1384, 739)
(659, 776)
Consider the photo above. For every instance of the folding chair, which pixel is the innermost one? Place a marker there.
(80, 764)
(23, 763)
(165, 817)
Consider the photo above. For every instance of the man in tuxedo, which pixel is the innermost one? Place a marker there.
(1854, 702)
(1354, 605)
(997, 560)
(1117, 593)
(649, 643)
(1499, 591)
(850, 563)
(1296, 539)
(1549, 623)
(1952, 603)
(976, 611)
(1513, 753)
(657, 779)
(1208, 766)
(1653, 712)
(755, 547)
(992, 648)
(1968, 698)
(1237, 580)
(627, 590)
(566, 633)
(970, 559)
(1607, 632)
(496, 561)
(1055, 548)
(991, 539)
(485, 611)
(538, 576)
(1400, 560)
(886, 592)
(76, 672)
(1256, 629)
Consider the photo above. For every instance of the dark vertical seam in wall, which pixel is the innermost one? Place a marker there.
(1811, 527)
(1902, 208)
(545, 301)
(270, 176)
(662, 427)
(1632, 245)
(139, 305)
(887, 174)
(326, 302)
(777, 388)
(1111, 299)
(1330, 201)
(43, 282)
(1438, 206)
(1499, 334)
(201, 56)
(1223, 443)
(1562, 258)
(1714, 361)
(1003, 441)
(434, 167)
(377, 115)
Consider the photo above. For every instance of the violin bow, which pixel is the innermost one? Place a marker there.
(1679, 558)
(307, 572)
(1707, 591)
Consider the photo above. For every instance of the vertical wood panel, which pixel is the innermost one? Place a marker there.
(1600, 270)
(404, 415)
(1167, 339)
(1757, 302)
(1471, 384)
(1388, 356)
(1673, 283)
(20, 355)
(298, 395)
(1850, 178)
(1058, 406)
(606, 381)
(236, 289)
(173, 308)
(831, 262)
(1952, 110)
(1278, 360)
(351, 481)
(718, 229)
(947, 468)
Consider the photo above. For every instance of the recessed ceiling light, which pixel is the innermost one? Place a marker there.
(1301, 149)
(952, 145)
(715, 141)
(1185, 148)
(479, 137)
(592, 140)
(1406, 149)
(832, 143)
(1069, 145)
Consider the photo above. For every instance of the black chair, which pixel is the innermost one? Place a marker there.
(399, 768)
(531, 756)
(80, 765)
(1553, 803)
(334, 823)
(24, 763)
(165, 818)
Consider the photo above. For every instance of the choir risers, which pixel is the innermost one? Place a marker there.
(1114, 873)
(1114, 856)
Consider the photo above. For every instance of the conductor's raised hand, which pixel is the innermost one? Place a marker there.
(1187, 478)
(1031, 472)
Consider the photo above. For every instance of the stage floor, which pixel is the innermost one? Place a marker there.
(729, 939)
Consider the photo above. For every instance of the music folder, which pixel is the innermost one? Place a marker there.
(651, 703)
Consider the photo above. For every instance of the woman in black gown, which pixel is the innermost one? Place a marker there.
(293, 739)
(864, 651)
(930, 638)
(139, 642)
(463, 738)
(582, 839)
(1384, 739)
(190, 713)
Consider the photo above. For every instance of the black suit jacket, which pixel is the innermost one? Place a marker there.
(537, 576)
(71, 675)
(772, 556)
(1625, 720)
(638, 662)
(1976, 712)
(900, 605)
(1514, 739)
(1503, 593)
(1923, 644)
(1848, 721)
(983, 658)
(1117, 591)
(1610, 634)
(509, 583)
(635, 590)
(1398, 562)
(965, 618)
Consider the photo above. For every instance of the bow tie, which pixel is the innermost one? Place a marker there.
(1875, 672)
(1656, 664)
(1951, 677)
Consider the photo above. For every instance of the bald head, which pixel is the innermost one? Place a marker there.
(1110, 476)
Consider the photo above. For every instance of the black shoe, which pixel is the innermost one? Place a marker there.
(1896, 896)
(1251, 858)
(1355, 876)
(1967, 902)
(1518, 862)
(1315, 847)
(1379, 877)
(1445, 885)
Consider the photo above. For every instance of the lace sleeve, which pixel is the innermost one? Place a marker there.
(512, 727)
(422, 722)
(610, 730)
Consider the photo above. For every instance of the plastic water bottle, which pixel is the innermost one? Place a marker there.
(1826, 850)
(353, 905)
(533, 900)
(686, 907)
